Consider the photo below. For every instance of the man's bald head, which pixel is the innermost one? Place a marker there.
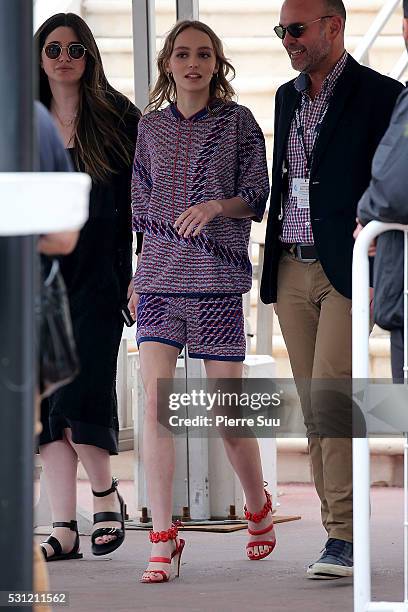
(326, 7)
(335, 7)
(321, 41)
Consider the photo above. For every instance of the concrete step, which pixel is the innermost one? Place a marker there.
(293, 463)
(386, 461)
(379, 355)
(228, 18)
(252, 56)
(115, 16)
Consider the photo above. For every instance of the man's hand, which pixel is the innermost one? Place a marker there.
(371, 292)
(373, 245)
(192, 220)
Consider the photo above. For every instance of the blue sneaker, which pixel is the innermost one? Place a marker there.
(335, 562)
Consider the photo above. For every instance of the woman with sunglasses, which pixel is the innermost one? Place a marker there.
(99, 127)
(200, 176)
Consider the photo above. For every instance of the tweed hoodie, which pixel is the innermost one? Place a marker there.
(219, 153)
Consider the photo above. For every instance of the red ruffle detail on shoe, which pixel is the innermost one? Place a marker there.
(257, 517)
(165, 536)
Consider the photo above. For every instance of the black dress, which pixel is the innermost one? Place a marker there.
(97, 274)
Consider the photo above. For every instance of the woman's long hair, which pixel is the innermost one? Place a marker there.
(98, 136)
(165, 87)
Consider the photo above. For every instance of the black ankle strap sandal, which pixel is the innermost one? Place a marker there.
(100, 517)
(56, 545)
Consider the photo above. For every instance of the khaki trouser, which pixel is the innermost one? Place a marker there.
(316, 325)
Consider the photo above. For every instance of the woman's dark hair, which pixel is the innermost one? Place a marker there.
(165, 87)
(98, 135)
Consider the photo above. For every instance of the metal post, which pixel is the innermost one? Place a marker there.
(187, 9)
(17, 269)
(144, 49)
(361, 453)
(197, 448)
(197, 456)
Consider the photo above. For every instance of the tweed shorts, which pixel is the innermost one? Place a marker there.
(212, 327)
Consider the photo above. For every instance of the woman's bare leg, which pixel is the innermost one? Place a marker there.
(243, 453)
(60, 464)
(96, 462)
(157, 361)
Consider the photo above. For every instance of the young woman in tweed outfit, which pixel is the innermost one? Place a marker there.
(200, 176)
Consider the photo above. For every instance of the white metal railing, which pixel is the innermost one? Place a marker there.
(400, 66)
(362, 49)
(361, 455)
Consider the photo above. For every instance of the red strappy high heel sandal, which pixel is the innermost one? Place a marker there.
(173, 561)
(264, 547)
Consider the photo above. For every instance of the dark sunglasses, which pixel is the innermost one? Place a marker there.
(295, 29)
(76, 51)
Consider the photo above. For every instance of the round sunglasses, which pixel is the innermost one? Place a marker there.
(76, 51)
(296, 29)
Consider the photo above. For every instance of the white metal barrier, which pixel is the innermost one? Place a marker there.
(361, 454)
(375, 29)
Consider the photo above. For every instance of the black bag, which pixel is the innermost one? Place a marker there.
(59, 363)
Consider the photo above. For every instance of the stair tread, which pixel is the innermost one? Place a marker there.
(247, 43)
(214, 6)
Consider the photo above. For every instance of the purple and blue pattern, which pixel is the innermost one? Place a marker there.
(219, 153)
(211, 326)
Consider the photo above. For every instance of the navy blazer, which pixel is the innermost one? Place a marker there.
(357, 117)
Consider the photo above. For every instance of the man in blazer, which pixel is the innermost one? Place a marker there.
(328, 123)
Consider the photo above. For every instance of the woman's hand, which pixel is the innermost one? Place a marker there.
(132, 304)
(57, 243)
(192, 220)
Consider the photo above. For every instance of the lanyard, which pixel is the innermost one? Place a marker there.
(300, 132)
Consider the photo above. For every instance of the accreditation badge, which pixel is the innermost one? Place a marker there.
(300, 191)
